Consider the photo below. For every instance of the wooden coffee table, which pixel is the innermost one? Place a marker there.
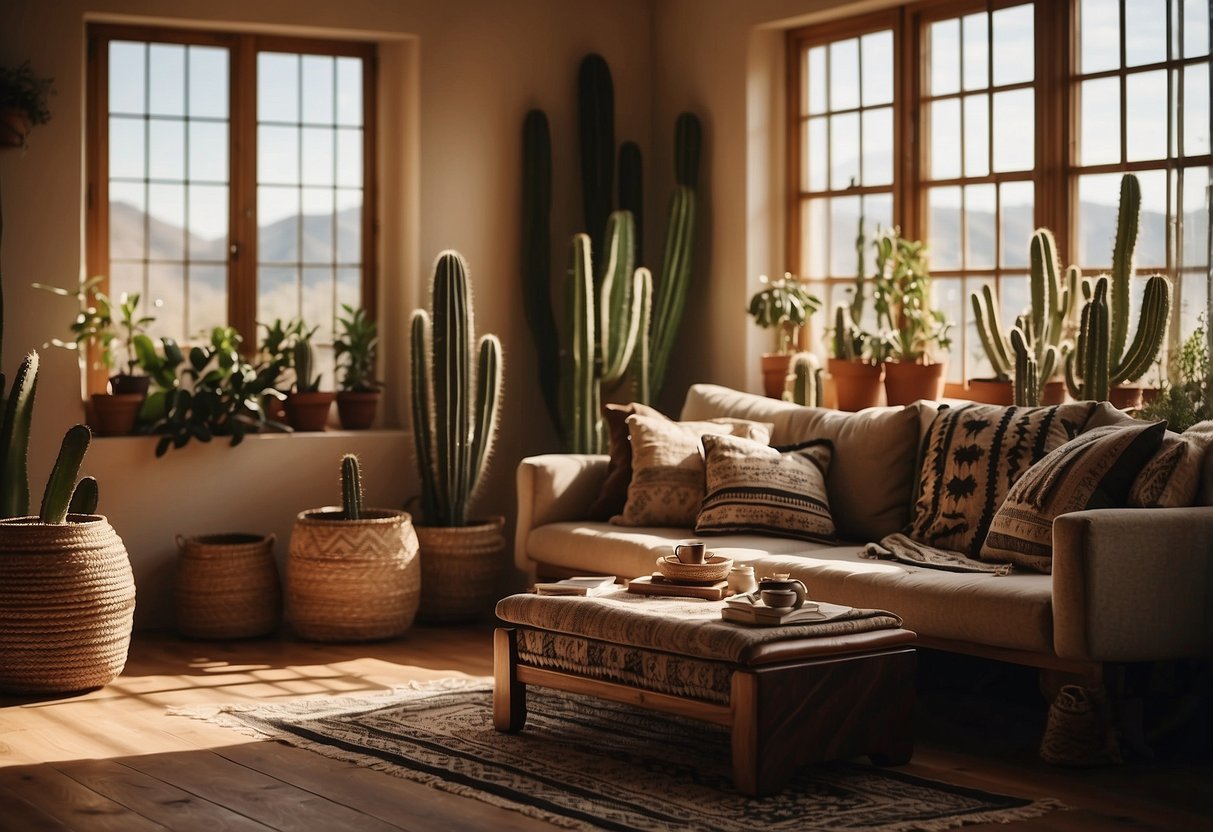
(789, 700)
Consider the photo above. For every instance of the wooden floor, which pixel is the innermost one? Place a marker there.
(113, 760)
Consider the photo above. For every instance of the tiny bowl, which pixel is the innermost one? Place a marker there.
(714, 568)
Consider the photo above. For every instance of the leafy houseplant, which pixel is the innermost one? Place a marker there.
(1184, 398)
(784, 306)
(276, 354)
(353, 573)
(856, 374)
(23, 103)
(307, 407)
(355, 348)
(455, 413)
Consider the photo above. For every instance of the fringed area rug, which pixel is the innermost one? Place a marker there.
(586, 763)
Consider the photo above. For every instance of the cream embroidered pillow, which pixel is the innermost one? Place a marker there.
(667, 468)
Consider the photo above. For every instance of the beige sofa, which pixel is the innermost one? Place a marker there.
(1128, 585)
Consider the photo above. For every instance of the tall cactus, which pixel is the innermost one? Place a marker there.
(582, 391)
(1105, 328)
(631, 192)
(455, 408)
(14, 440)
(804, 384)
(596, 120)
(849, 337)
(62, 483)
(351, 488)
(537, 257)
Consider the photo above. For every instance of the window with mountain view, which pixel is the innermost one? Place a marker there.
(229, 177)
(997, 125)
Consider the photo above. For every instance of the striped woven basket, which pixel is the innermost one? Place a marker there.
(227, 586)
(67, 603)
(352, 580)
(461, 569)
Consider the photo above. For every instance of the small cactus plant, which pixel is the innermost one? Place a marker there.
(14, 439)
(305, 362)
(804, 383)
(62, 483)
(85, 497)
(351, 488)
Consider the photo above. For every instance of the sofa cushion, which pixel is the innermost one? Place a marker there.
(763, 490)
(873, 470)
(1094, 470)
(614, 494)
(667, 468)
(972, 456)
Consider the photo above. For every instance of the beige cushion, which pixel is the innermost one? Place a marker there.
(872, 474)
(972, 456)
(667, 468)
(1094, 470)
(762, 490)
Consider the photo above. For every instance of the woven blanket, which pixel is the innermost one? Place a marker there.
(902, 549)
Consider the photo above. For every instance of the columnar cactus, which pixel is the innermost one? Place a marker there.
(671, 288)
(85, 497)
(455, 407)
(14, 440)
(537, 257)
(804, 383)
(849, 338)
(62, 483)
(1105, 318)
(596, 117)
(582, 391)
(351, 487)
(631, 191)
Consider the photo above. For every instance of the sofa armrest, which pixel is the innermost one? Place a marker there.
(1133, 584)
(551, 488)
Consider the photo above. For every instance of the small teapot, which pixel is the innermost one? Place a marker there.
(783, 587)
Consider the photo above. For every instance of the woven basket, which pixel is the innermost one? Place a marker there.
(460, 569)
(352, 580)
(1079, 730)
(67, 602)
(227, 586)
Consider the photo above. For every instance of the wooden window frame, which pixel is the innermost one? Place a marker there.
(242, 259)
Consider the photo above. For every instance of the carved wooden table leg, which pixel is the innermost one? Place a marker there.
(509, 695)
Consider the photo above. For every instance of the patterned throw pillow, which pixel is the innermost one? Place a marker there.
(1095, 470)
(972, 455)
(1172, 478)
(667, 467)
(756, 489)
(614, 493)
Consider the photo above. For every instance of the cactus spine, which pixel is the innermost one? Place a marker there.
(1105, 329)
(537, 256)
(804, 383)
(351, 487)
(596, 118)
(58, 494)
(14, 440)
(455, 410)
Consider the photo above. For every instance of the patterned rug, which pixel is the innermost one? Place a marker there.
(586, 763)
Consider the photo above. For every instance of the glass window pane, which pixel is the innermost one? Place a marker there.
(208, 209)
(126, 277)
(1014, 130)
(1015, 298)
(945, 138)
(166, 81)
(877, 214)
(947, 296)
(349, 287)
(208, 82)
(878, 146)
(977, 135)
(349, 91)
(978, 363)
(318, 77)
(816, 175)
(1195, 217)
(1098, 196)
(975, 29)
(166, 150)
(318, 225)
(944, 52)
(349, 157)
(1151, 251)
(1018, 222)
(277, 87)
(1099, 31)
(844, 227)
(1193, 301)
(317, 156)
(208, 151)
(318, 300)
(980, 231)
(1146, 116)
(1014, 55)
(278, 225)
(127, 222)
(277, 155)
(815, 67)
(814, 237)
(877, 68)
(943, 212)
(1145, 31)
(208, 298)
(844, 74)
(166, 285)
(844, 150)
(1196, 28)
(166, 205)
(1099, 123)
(127, 77)
(277, 293)
(1196, 110)
(349, 230)
(126, 150)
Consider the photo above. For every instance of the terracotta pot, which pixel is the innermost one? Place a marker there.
(461, 568)
(67, 603)
(274, 408)
(352, 580)
(357, 410)
(1124, 397)
(991, 391)
(124, 383)
(775, 373)
(1054, 393)
(115, 413)
(14, 127)
(856, 383)
(309, 411)
(906, 383)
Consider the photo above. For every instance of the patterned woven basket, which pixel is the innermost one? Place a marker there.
(352, 580)
(1079, 730)
(67, 603)
(227, 586)
(460, 569)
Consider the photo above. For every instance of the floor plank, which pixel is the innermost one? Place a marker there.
(73, 804)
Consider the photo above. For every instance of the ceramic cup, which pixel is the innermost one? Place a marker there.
(691, 551)
(779, 598)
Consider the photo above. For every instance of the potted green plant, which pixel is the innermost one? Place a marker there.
(784, 306)
(353, 573)
(455, 413)
(307, 407)
(23, 103)
(912, 330)
(356, 345)
(857, 376)
(1183, 397)
(276, 356)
